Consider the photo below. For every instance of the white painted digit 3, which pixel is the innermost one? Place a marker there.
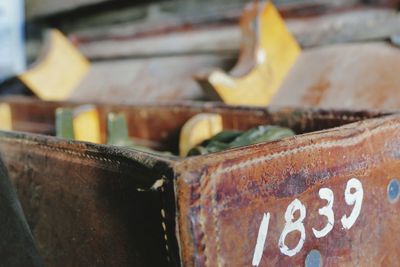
(291, 226)
(356, 199)
(327, 194)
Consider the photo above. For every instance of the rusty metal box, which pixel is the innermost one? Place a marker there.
(327, 194)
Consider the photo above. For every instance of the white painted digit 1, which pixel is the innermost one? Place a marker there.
(327, 194)
(262, 236)
(356, 199)
(291, 226)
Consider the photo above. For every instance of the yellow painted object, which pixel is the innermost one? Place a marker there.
(267, 54)
(197, 129)
(58, 72)
(86, 124)
(5, 117)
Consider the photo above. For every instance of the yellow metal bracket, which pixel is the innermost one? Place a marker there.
(59, 71)
(268, 52)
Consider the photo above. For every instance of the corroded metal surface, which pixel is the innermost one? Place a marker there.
(92, 204)
(344, 76)
(147, 79)
(84, 204)
(262, 205)
(31, 115)
(17, 247)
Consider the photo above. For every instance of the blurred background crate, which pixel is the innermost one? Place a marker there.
(150, 50)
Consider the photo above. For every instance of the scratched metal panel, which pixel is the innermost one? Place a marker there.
(91, 204)
(360, 76)
(147, 79)
(221, 205)
(83, 202)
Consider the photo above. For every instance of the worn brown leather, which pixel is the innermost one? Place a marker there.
(103, 205)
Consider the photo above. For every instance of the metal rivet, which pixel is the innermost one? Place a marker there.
(395, 39)
(313, 259)
(393, 190)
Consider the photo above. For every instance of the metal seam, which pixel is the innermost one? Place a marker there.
(59, 149)
(164, 227)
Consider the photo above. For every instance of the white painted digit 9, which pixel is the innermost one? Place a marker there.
(327, 194)
(291, 226)
(356, 199)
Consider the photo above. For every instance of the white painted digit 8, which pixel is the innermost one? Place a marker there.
(291, 226)
(327, 194)
(356, 199)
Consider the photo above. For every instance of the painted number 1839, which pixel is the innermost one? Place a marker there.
(353, 195)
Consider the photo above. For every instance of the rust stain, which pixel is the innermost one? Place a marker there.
(220, 218)
(220, 196)
(316, 92)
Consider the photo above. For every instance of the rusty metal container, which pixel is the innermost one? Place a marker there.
(328, 194)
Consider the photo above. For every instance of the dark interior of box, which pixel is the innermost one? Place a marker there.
(158, 127)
